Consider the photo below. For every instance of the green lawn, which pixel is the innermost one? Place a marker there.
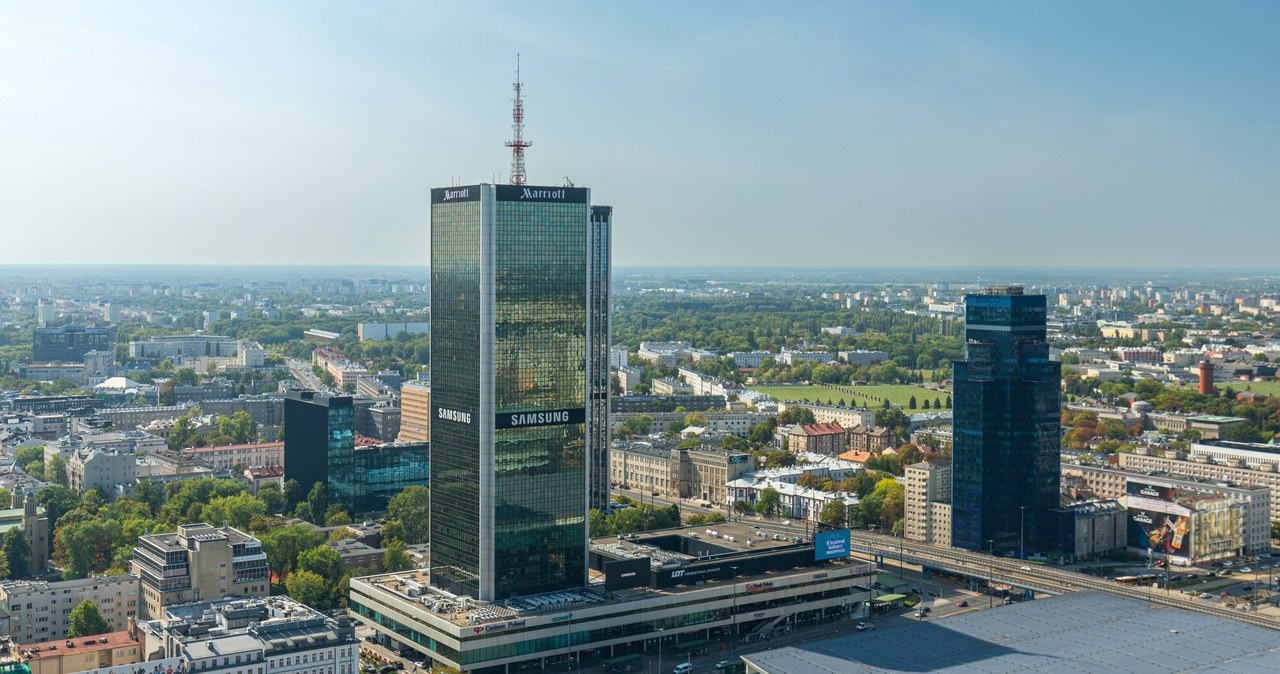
(861, 396)
(1271, 388)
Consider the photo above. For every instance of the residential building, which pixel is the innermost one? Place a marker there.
(512, 364)
(790, 357)
(687, 472)
(26, 516)
(847, 417)
(198, 561)
(71, 342)
(1200, 467)
(650, 404)
(415, 411)
(251, 455)
(927, 502)
(269, 635)
(81, 654)
(104, 468)
(41, 610)
(828, 439)
(872, 439)
(862, 357)
(794, 502)
(669, 354)
(1006, 426)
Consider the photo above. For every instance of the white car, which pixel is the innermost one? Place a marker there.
(1026, 568)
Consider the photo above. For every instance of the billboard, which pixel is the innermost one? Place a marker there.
(626, 573)
(1150, 491)
(1161, 532)
(831, 544)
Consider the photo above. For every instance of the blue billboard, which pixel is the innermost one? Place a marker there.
(831, 544)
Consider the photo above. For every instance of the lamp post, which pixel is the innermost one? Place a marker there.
(1022, 525)
(659, 650)
(735, 606)
(991, 572)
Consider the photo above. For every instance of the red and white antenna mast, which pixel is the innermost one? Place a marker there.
(517, 142)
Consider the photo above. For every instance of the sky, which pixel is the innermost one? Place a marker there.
(973, 134)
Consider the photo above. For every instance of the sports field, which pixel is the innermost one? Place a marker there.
(861, 396)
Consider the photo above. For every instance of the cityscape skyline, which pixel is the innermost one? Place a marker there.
(1132, 129)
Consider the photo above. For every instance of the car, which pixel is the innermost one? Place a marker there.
(926, 609)
(1206, 595)
(722, 664)
(1192, 575)
(962, 603)
(1025, 568)
(919, 614)
(1247, 588)
(864, 627)
(1246, 570)
(397, 664)
(371, 639)
(683, 668)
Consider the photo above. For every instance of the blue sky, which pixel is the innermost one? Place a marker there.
(723, 133)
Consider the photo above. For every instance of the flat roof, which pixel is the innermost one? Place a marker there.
(1080, 632)
(59, 648)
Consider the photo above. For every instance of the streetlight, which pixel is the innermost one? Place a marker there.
(991, 572)
(659, 650)
(735, 606)
(1022, 525)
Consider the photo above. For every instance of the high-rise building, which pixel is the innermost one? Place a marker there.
(1006, 445)
(519, 300)
(71, 342)
(319, 443)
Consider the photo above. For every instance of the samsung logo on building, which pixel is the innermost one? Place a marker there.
(453, 415)
(543, 418)
(449, 195)
(542, 194)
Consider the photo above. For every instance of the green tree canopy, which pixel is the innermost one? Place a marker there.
(86, 621)
(396, 559)
(412, 509)
(237, 510)
(17, 549)
(321, 560)
(309, 588)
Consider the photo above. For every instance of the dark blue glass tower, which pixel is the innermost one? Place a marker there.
(1006, 448)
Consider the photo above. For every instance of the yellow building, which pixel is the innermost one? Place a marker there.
(66, 656)
(415, 412)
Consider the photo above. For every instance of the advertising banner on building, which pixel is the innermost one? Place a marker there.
(1160, 532)
(626, 573)
(831, 545)
(1151, 491)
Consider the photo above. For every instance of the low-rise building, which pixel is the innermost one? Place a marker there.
(102, 468)
(825, 438)
(873, 439)
(697, 472)
(41, 610)
(81, 654)
(198, 560)
(251, 455)
(270, 635)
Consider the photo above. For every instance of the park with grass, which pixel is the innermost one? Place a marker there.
(870, 395)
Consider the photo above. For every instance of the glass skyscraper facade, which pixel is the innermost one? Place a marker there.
(319, 443)
(1006, 445)
(511, 370)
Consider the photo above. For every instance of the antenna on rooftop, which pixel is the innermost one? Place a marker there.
(517, 142)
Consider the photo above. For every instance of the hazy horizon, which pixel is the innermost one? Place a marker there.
(860, 134)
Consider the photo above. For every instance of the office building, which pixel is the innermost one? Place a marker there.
(71, 342)
(384, 470)
(198, 561)
(670, 593)
(272, 635)
(41, 610)
(599, 284)
(514, 391)
(1005, 465)
(699, 473)
(319, 443)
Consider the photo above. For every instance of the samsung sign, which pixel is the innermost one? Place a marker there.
(575, 415)
(456, 416)
(831, 545)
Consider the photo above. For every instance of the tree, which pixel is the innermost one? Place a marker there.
(309, 588)
(237, 511)
(17, 549)
(321, 560)
(769, 501)
(912, 403)
(4, 565)
(82, 548)
(833, 513)
(86, 621)
(272, 496)
(55, 470)
(182, 433)
(396, 559)
(412, 508)
(283, 546)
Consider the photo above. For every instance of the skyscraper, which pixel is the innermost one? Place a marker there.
(519, 306)
(319, 443)
(1006, 445)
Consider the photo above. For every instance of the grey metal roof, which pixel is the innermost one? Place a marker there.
(1080, 632)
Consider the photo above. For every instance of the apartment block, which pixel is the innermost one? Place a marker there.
(41, 610)
(927, 507)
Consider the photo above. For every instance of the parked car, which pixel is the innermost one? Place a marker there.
(864, 627)
(962, 603)
(1206, 595)
(1246, 570)
(1026, 568)
(722, 664)
(683, 668)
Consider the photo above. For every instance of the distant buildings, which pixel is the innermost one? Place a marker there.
(198, 560)
(1005, 468)
(368, 331)
(41, 610)
(71, 342)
